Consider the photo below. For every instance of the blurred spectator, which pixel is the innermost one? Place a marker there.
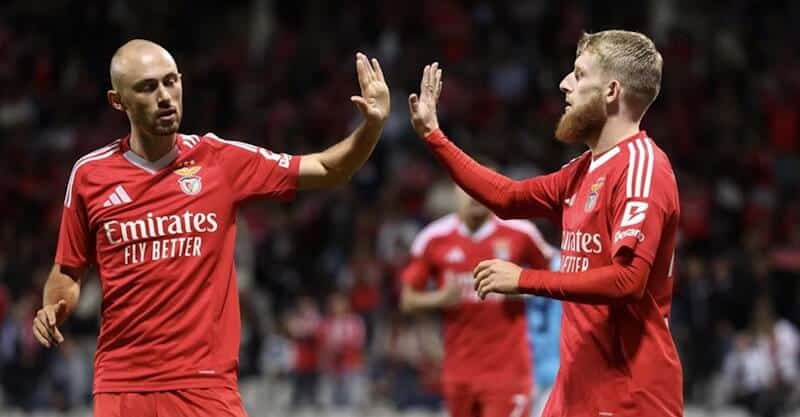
(343, 338)
(303, 324)
(762, 371)
(411, 361)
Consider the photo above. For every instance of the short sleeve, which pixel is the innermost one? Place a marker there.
(643, 204)
(257, 172)
(416, 273)
(75, 244)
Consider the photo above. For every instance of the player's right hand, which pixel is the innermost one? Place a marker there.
(450, 294)
(45, 324)
(422, 108)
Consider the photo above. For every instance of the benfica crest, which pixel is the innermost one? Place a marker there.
(190, 183)
(502, 249)
(594, 192)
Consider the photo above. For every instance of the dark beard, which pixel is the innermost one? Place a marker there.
(157, 129)
(580, 124)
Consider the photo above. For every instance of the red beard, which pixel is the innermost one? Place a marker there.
(579, 124)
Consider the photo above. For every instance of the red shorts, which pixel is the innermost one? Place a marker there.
(468, 400)
(199, 402)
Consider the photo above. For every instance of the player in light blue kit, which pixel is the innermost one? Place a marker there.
(544, 330)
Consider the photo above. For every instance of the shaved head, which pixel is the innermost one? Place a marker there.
(146, 85)
(134, 57)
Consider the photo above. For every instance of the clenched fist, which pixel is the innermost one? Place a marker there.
(498, 276)
(45, 324)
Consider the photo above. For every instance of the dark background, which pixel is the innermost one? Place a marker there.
(280, 73)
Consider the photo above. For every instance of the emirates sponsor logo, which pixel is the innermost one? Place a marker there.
(577, 241)
(152, 226)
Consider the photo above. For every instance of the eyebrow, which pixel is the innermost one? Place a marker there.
(151, 79)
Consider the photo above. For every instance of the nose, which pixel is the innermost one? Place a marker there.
(162, 96)
(564, 85)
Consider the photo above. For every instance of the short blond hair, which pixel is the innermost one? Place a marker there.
(631, 58)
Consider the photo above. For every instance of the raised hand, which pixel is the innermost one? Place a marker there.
(498, 276)
(423, 107)
(374, 101)
(45, 324)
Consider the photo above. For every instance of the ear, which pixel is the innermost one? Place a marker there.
(613, 91)
(115, 100)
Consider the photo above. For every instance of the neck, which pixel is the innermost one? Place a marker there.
(614, 131)
(472, 223)
(150, 147)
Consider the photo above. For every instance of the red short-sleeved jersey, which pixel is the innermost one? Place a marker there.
(162, 236)
(486, 342)
(618, 359)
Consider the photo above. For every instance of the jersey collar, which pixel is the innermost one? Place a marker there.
(611, 153)
(151, 167)
(487, 228)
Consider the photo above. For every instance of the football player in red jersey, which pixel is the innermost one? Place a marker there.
(487, 368)
(617, 204)
(155, 212)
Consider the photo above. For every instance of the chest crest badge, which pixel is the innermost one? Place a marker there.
(594, 193)
(189, 182)
(455, 255)
(502, 249)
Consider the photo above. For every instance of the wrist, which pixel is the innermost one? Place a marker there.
(434, 135)
(374, 123)
(528, 281)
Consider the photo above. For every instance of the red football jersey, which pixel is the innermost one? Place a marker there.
(485, 341)
(619, 359)
(162, 236)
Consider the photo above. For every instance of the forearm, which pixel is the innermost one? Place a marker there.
(504, 196)
(623, 280)
(341, 161)
(63, 283)
(413, 301)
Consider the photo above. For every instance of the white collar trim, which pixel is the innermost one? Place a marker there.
(487, 228)
(152, 166)
(604, 158)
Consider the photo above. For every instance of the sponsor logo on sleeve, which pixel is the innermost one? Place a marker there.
(622, 234)
(634, 213)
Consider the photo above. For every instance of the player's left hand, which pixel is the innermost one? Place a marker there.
(496, 275)
(374, 101)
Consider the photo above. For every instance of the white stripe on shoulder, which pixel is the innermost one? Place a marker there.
(437, 228)
(648, 179)
(101, 153)
(533, 233)
(243, 145)
(640, 167)
(189, 140)
(631, 166)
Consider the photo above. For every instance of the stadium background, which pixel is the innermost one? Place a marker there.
(279, 74)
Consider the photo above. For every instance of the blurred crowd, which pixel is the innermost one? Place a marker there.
(318, 276)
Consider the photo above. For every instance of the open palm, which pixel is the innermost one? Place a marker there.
(374, 101)
(423, 107)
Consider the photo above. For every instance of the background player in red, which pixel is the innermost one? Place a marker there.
(155, 211)
(618, 208)
(487, 365)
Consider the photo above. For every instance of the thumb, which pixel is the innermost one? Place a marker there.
(362, 104)
(61, 306)
(413, 103)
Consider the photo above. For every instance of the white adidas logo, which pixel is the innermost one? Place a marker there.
(455, 255)
(119, 196)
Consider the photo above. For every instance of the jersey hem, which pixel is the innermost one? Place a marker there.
(112, 388)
